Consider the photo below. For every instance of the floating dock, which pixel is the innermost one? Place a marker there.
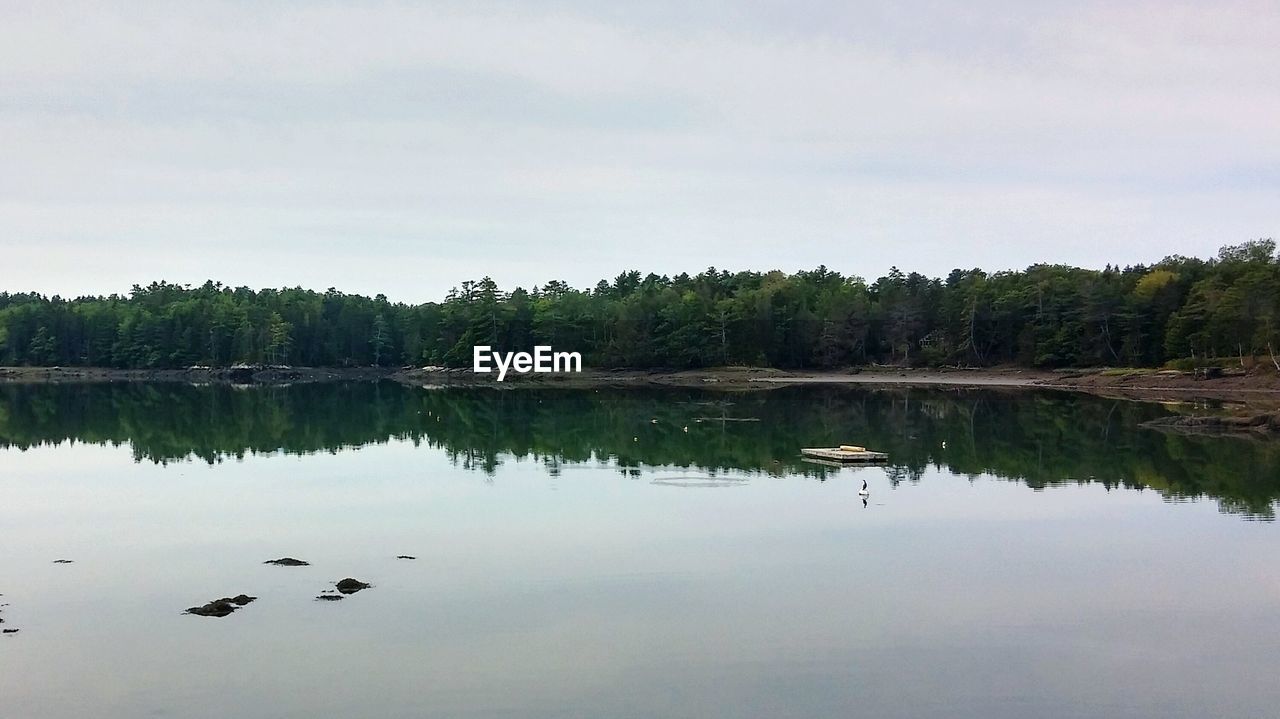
(844, 454)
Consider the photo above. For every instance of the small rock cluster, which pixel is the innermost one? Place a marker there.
(14, 630)
(7, 630)
(227, 605)
(221, 607)
(343, 588)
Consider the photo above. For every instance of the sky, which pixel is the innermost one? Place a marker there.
(401, 148)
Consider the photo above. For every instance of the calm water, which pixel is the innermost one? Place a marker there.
(1023, 555)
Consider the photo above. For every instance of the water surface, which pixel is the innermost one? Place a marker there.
(629, 554)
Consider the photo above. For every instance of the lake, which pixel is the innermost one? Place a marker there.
(629, 553)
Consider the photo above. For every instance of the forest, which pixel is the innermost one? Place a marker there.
(1180, 311)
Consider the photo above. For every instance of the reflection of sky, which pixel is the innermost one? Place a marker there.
(592, 594)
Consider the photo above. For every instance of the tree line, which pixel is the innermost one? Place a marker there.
(1180, 310)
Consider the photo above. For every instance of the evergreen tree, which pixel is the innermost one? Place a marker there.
(1183, 310)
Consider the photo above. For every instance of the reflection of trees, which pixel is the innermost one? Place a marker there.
(1039, 439)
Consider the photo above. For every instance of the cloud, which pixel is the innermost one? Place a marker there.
(531, 141)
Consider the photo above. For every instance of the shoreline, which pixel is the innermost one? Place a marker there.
(1134, 384)
(1261, 389)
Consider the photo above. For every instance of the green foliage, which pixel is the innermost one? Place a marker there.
(1039, 439)
(1044, 316)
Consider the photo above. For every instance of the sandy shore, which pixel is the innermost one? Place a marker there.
(1258, 386)
(959, 378)
(53, 375)
(1133, 384)
(1261, 388)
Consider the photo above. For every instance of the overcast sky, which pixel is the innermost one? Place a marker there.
(403, 148)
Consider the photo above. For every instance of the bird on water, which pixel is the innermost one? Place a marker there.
(864, 492)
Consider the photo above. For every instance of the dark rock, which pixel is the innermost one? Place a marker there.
(63, 561)
(288, 562)
(351, 586)
(330, 597)
(242, 373)
(216, 608)
(221, 607)
(405, 556)
(10, 631)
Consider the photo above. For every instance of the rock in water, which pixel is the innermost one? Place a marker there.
(405, 556)
(288, 562)
(221, 607)
(216, 608)
(10, 631)
(351, 586)
(63, 561)
(330, 597)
